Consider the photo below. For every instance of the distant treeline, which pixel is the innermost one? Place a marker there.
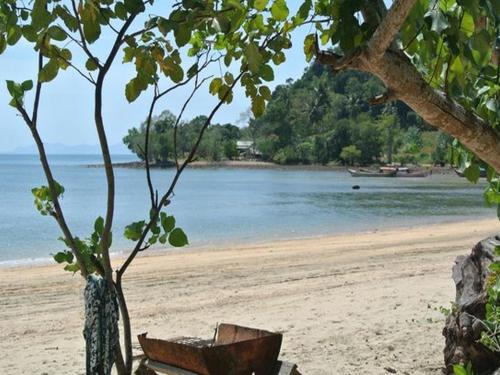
(219, 141)
(321, 118)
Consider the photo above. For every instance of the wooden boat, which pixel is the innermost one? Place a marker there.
(413, 174)
(235, 350)
(406, 172)
(365, 173)
(391, 168)
(482, 172)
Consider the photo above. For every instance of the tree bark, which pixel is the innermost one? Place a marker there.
(462, 329)
(406, 84)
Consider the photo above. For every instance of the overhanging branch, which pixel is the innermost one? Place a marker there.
(389, 27)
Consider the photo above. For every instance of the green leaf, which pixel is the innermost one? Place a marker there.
(253, 56)
(56, 33)
(49, 71)
(99, 225)
(265, 92)
(29, 33)
(91, 64)
(63, 256)
(3, 44)
(459, 370)
(258, 105)
(215, 86)
(134, 6)
(267, 73)
(14, 34)
(90, 21)
(133, 231)
(132, 90)
(167, 222)
(304, 9)
(92, 31)
(176, 74)
(75, 267)
(279, 10)
(177, 238)
(121, 11)
(260, 4)
(228, 77)
(309, 43)
(14, 89)
(69, 20)
(278, 58)
(182, 35)
(225, 94)
(472, 172)
(27, 85)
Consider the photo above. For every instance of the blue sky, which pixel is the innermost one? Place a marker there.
(66, 108)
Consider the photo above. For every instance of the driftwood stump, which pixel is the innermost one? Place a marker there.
(462, 329)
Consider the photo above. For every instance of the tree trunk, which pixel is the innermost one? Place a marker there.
(462, 329)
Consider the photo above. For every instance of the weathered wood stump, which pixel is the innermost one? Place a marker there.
(463, 330)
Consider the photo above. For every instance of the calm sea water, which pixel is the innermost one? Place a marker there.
(217, 206)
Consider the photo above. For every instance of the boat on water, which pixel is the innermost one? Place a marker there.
(365, 173)
(389, 172)
(482, 172)
(414, 174)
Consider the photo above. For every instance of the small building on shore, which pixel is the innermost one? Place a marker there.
(247, 150)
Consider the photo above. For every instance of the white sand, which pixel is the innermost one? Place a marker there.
(347, 304)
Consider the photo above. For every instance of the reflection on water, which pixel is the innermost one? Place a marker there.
(220, 205)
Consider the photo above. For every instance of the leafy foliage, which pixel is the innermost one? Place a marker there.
(90, 249)
(219, 141)
(44, 202)
(463, 370)
(490, 337)
(350, 154)
(312, 119)
(247, 38)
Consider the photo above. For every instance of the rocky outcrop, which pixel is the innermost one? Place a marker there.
(463, 330)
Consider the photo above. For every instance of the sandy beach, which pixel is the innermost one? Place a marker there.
(347, 304)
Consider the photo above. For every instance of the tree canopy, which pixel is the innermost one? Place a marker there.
(314, 118)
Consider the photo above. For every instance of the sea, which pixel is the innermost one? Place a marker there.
(222, 206)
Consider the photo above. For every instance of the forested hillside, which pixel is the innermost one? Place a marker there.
(320, 118)
(325, 117)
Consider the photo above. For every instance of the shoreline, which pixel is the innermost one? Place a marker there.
(239, 164)
(120, 254)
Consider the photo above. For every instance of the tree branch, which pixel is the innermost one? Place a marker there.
(337, 62)
(108, 166)
(407, 84)
(389, 27)
(197, 85)
(36, 104)
(164, 199)
(83, 42)
(59, 216)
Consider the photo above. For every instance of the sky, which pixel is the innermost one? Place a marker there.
(66, 110)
